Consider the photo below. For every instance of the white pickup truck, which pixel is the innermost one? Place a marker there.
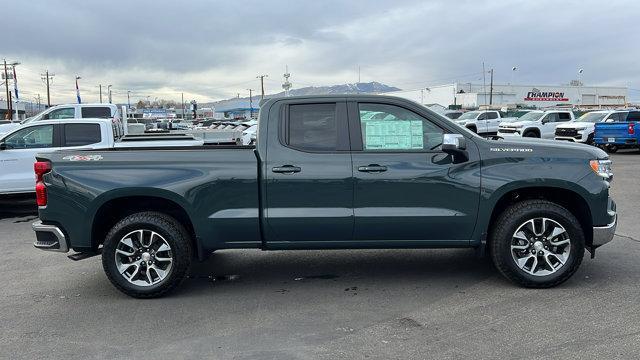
(483, 122)
(19, 147)
(536, 124)
(72, 111)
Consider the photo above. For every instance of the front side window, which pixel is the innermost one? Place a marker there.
(313, 127)
(64, 113)
(33, 137)
(552, 117)
(81, 134)
(399, 129)
(492, 115)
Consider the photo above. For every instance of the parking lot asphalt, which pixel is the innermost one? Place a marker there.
(392, 304)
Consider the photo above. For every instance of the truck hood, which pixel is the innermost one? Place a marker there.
(6, 128)
(542, 147)
(517, 124)
(576, 125)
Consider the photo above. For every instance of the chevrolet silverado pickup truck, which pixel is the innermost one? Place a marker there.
(622, 134)
(329, 172)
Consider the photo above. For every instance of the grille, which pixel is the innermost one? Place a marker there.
(566, 132)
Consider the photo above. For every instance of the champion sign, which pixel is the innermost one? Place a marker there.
(537, 95)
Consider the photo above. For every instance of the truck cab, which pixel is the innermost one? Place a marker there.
(536, 124)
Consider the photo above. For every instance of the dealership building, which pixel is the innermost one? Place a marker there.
(470, 95)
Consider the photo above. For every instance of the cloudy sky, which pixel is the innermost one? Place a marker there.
(212, 50)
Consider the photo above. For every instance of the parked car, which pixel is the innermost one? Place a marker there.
(481, 121)
(18, 149)
(535, 124)
(453, 114)
(582, 129)
(326, 175)
(73, 111)
(622, 134)
(249, 135)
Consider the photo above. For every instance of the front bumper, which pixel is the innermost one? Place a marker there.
(49, 237)
(604, 234)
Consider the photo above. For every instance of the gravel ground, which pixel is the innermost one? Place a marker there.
(394, 304)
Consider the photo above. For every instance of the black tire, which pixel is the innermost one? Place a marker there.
(531, 134)
(590, 140)
(173, 233)
(509, 221)
(611, 149)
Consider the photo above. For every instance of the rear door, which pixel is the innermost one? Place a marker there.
(18, 156)
(309, 181)
(493, 120)
(407, 190)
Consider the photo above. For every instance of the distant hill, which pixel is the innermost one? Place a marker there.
(357, 88)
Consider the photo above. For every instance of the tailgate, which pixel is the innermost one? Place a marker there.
(612, 130)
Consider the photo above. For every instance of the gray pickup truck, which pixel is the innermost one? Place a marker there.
(329, 172)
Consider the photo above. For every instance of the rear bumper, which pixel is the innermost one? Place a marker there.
(49, 237)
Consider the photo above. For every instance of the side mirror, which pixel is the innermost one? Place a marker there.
(3, 146)
(45, 116)
(455, 145)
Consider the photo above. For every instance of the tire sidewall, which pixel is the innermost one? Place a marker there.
(129, 224)
(571, 226)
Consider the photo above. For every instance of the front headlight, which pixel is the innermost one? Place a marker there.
(602, 168)
(581, 128)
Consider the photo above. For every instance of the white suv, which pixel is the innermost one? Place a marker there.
(582, 129)
(537, 124)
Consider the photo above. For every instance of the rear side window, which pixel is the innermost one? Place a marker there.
(564, 117)
(96, 112)
(81, 134)
(633, 116)
(64, 113)
(313, 127)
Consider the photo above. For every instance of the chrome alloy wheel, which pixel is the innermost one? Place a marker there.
(540, 246)
(143, 257)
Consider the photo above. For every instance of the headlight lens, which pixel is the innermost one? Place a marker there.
(602, 168)
(581, 128)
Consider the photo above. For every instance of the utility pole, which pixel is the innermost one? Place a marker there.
(100, 86)
(46, 77)
(491, 88)
(109, 92)
(182, 96)
(6, 84)
(128, 99)
(250, 103)
(261, 77)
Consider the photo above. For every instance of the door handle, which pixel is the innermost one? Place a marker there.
(375, 168)
(286, 169)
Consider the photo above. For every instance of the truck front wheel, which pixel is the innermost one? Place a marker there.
(146, 254)
(537, 243)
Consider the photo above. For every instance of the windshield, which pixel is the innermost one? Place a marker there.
(469, 115)
(592, 117)
(530, 116)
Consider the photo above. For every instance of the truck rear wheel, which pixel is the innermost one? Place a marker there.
(537, 243)
(146, 254)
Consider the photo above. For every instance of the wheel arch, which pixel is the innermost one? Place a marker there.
(114, 207)
(564, 196)
(532, 129)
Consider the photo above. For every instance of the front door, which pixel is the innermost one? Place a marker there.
(407, 190)
(18, 156)
(309, 181)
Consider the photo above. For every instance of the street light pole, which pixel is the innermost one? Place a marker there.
(6, 84)
(128, 99)
(109, 92)
(100, 86)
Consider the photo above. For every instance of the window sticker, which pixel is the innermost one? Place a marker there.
(393, 135)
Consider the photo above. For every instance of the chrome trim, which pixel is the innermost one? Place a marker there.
(604, 234)
(63, 246)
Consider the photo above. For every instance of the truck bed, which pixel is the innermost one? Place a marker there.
(219, 184)
(617, 133)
